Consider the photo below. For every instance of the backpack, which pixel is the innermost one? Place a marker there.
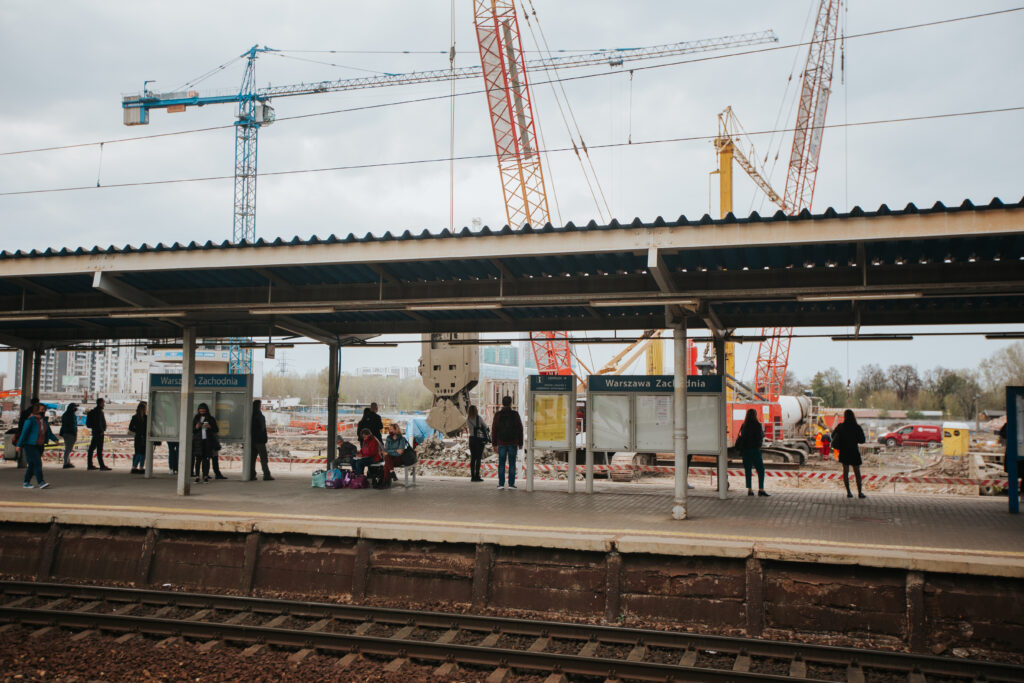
(335, 479)
(357, 481)
(505, 428)
(90, 419)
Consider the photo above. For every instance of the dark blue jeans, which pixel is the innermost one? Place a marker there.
(34, 459)
(752, 459)
(359, 464)
(507, 454)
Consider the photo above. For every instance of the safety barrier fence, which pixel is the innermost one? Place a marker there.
(491, 470)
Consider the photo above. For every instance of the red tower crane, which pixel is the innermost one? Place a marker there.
(516, 144)
(773, 353)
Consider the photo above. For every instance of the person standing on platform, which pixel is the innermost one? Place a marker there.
(204, 439)
(137, 427)
(69, 432)
(258, 433)
(846, 438)
(96, 421)
(507, 438)
(172, 456)
(749, 442)
(22, 418)
(375, 423)
(32, 439)
(479, 435)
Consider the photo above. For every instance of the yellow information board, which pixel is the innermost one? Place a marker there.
(551, 418)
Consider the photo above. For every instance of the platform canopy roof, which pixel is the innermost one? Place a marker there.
(914, 266)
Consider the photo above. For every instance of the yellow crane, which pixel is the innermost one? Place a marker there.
(733, 145)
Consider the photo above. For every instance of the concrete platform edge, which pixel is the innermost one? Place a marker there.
(966, 563)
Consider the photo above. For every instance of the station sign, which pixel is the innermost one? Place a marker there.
(551, 382)
(202, 381)
(636, 413)
(654, 384)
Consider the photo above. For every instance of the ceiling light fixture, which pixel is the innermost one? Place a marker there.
(452, 307)
(149, 314)
(290, 310)
(605, 303)
(858, 297)
(873, 337)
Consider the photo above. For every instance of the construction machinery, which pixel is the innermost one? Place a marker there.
(450, 371)
(801, 176)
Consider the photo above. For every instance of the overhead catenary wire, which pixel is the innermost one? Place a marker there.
(490, 155)
(694, 60)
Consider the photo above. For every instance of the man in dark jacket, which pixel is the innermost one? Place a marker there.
(258, 432)
(507, 439)
(97, 422)
(376, 425)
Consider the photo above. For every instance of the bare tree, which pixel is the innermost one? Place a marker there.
(870, 380)
(905, 381)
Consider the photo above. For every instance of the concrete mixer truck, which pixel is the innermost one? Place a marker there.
(790, 425)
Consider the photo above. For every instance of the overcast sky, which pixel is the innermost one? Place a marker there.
(68, 64)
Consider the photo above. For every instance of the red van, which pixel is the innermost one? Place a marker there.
(913, 435)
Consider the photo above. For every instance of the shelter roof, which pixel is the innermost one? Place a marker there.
(941, 264)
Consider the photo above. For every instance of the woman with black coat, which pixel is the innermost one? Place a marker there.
(845, 439)
(204, 440)
(137, 427)
(69, 432)
(749, 442)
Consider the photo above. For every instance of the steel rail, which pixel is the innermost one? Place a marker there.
(380, 645)
(612, 635)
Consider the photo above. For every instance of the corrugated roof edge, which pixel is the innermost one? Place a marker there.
(636, 223)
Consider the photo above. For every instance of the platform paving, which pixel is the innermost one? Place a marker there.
(902, 527)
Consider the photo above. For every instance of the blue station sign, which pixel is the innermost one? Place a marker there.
(551, 382)
(653, 384)
(202, 381)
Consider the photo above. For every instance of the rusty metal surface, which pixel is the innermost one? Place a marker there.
(918, 609)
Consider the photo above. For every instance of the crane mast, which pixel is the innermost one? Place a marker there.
(773, 353)
(508, 100)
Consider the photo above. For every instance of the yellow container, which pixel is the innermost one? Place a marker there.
(956, 438)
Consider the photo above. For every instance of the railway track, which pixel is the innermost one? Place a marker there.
(497, 643)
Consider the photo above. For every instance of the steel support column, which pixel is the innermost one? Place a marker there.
(332, 403)
(679, 418)
(188, 380)
(37, 367)
(26, 377)
(723, 448)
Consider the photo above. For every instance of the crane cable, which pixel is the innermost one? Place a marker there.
(543, 43)
(217, 69)
(451, 127)
(776, 142)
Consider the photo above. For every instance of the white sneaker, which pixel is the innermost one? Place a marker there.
(500, 488)
(511, 486)
(30, 486)
(44, 485)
